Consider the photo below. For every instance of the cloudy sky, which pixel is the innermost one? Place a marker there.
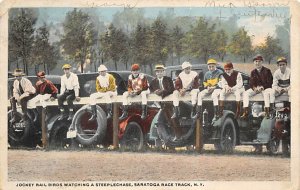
(259, 22)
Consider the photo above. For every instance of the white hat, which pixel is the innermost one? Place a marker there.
(102, 68)
(186, 64)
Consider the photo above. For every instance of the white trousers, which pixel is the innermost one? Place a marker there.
(106, 95)
(267, 94)
(237, 93)
(143, 95)
(275, 93)
(193, 93)
(39, 98)
(214, 96)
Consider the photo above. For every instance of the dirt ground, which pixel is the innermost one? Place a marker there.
(104, 165)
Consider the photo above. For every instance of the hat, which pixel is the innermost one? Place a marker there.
(159, 67)
(186, 64)
(281, 59)
(66, 66)
(228, 65)
(211, 61)
(102, 68)
(41, 74)
(258, 57)
(135, 67)
(18, 72)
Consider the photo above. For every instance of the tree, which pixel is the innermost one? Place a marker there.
(283, 35)
(79, 36)
(176, 41)
(198, 41)
(220, 42)
(270, 48)
(21, 30)
(241, 45)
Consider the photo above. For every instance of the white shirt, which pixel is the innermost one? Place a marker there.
(27, 86)
(160, 83)
(187, 79)
(70, 83)
(103, 80)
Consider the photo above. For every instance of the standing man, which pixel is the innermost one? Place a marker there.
(23, 91)
(186, 82)
(69, 91)
(45, 90)
(211, 83)
(137, 85)
(232, 83)
(261, 80)
(106, 88)
(161, 85)
(281, 80)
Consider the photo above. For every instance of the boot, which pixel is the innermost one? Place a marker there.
(144, 112)
(267, 112)
(71, 115)
(272, 110)
(216, 113)
(62, 115)
(198, 112)
(238, 110)
(175, 112)
(109, 111)
(245, 113)
(24, 117)
(125, 112)
(221, 108)
(94, 113)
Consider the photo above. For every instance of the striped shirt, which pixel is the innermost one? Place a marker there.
(281, 80)
(26, 85)
(212, 78)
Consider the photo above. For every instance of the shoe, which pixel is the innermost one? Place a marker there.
(109, 111)
(62, 115)
(221, 108)
(216, 113)
(13, 119)
(238, 110)
(198, 112)
(125, 113)
(267, 112)
(245, 114)
(94, 113)
(71, 115)
(175, 112)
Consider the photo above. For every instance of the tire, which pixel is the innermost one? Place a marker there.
(133, 138)
(286, 147)
(19, 136)
(89, 133)
(227, 137)
(273, 145)
(58, 135)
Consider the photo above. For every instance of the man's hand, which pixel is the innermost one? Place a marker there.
(52, 99)
(182, 92)
(228, 90)
(158, 92)
(132, 94)
(210, 89)
(77, 98)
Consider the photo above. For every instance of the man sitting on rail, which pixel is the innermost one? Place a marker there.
(106, 88)
(137, 85)
(261, 80)
(186, 82)
(23, 91)
(69, 91)
(281, 80)
(232, 83)
(45, 90)
(211, 83)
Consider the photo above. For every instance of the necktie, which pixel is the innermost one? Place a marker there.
(20, 88)
(160, 84)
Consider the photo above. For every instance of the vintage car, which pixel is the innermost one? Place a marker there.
(131, 133)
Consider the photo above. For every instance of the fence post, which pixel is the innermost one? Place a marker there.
(199, 141)
(44, 129)
(115, 125)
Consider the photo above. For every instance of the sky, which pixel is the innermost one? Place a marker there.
(259, 22)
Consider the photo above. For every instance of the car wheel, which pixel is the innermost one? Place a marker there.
(272, 146)
(133, 138)
(58, 135)
(89, 133)
(227, 138)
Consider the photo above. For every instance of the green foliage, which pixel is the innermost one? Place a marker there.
(270, 49)
(220, 39)
(176, 41)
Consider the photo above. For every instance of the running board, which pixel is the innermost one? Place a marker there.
(253, 143)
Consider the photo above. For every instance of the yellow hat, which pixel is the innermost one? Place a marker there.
(281, 59)
(211, 61)
(66, 66)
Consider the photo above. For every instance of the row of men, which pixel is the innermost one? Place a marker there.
(215, 82)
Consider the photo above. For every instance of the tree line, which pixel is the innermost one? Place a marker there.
(166, 39)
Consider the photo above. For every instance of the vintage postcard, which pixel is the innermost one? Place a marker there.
(150, 94)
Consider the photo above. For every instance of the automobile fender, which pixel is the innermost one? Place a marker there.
(136, 118)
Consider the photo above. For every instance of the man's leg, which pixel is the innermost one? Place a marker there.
(215, 99)
(144, 103)
(60, 100)
(194, 97)
(221, 101)
(93, 99)
(175, 104)
(246, 95)
(125, 106)
(70, 98)
(13, 103)
(23, 103)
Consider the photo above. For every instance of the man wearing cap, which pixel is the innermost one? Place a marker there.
(232, 83)
(161, 85)
(281, 80)
(106, 88)
(137, 85)
(211, 83)
(261, 80)
(69, 91)
(45, 90)
(186, 82)
(23, 91)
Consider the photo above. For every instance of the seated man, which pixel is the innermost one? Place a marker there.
(45, 90)
(281, 80)
(212, 87)
(232, 83)
(69, 91)
(137, 85)
(186, 82)
(23, 91)
(106, 88)
(261, 80)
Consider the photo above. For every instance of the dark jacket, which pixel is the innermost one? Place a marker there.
(263, 78)
(167, 84)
